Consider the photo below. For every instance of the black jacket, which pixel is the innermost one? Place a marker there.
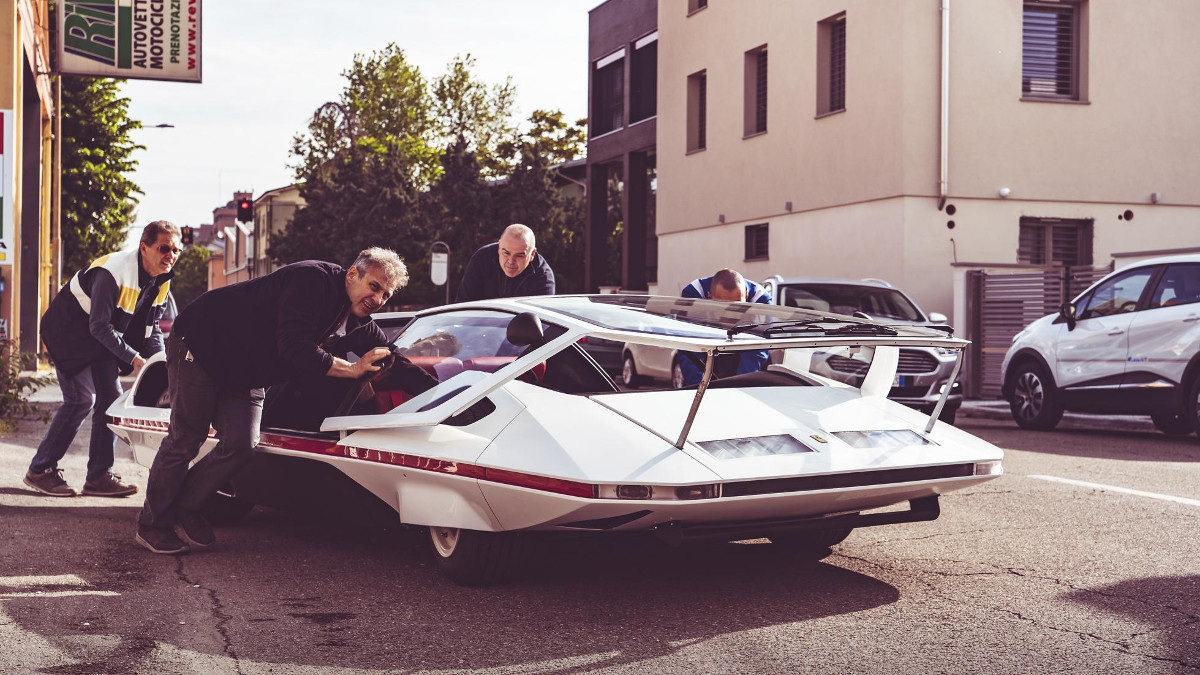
(75, 339)
(484, 279)
(276, 328)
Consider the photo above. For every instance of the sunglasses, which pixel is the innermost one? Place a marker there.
(167, 248)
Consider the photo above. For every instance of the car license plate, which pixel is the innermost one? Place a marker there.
(899, 381)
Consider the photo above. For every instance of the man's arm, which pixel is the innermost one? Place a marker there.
(303, 315)
(104, 302)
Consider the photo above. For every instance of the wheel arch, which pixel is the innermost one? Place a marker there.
(1022, 357)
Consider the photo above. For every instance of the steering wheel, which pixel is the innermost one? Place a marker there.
(360, 385)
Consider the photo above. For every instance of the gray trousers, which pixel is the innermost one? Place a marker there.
(197, 402)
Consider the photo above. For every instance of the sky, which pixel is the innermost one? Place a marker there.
(268, 65)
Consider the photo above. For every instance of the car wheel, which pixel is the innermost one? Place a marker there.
(812, 544)
(948, 414)
(629, 374)
(1191, 408)
(1172, 424)
(677, 375)
(225, 509)
(474, 558)
(1035, 402)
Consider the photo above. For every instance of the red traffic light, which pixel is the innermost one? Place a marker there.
(245, 211)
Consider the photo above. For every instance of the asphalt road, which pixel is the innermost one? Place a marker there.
(1026, 574)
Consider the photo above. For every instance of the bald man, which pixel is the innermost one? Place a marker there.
(510, 268)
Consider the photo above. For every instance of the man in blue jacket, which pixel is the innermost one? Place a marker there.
(510, 268)
(101, 325)
(730, 286)
(229, 345)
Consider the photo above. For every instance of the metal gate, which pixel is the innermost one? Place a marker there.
(1000, 305)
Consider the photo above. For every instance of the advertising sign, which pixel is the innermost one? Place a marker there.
(136, 39)
(7, 201)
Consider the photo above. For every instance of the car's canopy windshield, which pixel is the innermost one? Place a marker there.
(876, 302)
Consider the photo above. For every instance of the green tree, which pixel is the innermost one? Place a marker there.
(363, 163)
(191, 276)
(98, 198)
(473, 117)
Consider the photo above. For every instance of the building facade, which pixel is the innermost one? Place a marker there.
(273, 210)
(909, 140)
(30, 257)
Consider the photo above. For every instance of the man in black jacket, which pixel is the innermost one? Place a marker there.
(229, 345)
(102, 324)
(510, 268)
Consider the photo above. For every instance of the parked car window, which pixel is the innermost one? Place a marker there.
(1118, 295)
(1180, 285)
(876, 302)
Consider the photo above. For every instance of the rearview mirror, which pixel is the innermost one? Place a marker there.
(1067, 312)
(526, 329)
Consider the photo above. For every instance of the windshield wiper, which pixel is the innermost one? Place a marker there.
(852, 327)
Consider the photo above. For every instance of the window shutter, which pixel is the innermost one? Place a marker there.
(1049, 54)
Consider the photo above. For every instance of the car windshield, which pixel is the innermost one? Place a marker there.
(463, 335)
(874, 301)
(676, 317)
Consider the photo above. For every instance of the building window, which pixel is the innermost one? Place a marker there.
(643, 75)
(696, 5)
(697, 114)
(755, 114)
(1052, 48)
(608, 94)
(831, 65)
(757, 242)
(1051, 241)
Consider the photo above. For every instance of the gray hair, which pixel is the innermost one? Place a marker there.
(387, 262)
(520, 231)
(150, 232)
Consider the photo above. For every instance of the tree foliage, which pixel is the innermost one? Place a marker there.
(98, 198)
(402, 164)
(191, 276)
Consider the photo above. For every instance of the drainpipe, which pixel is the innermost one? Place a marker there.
(944, 140)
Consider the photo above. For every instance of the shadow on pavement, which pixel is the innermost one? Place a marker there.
(1173, 627)
(1150, 446)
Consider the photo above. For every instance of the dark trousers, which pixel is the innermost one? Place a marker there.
(197, 402)
(93, 390)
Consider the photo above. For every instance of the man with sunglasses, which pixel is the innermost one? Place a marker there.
(100, 326)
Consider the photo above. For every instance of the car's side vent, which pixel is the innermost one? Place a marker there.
(152, 392)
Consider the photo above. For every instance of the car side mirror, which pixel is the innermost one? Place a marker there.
(1067, 312)
(526, 329)
(938, 317)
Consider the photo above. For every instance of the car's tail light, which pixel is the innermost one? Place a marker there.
(659, 492)
(710, 491)
(992, 468)
(635, 492)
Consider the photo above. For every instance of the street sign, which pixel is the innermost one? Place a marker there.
(130, 39)
(439, 263)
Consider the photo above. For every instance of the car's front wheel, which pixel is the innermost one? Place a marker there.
(1191, 407)
(1034, 402)
(474, 558)
(813, 544)
(629, 374)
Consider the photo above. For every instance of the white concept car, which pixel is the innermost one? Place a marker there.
(526, 433)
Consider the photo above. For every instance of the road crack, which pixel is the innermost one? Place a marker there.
(218, 612)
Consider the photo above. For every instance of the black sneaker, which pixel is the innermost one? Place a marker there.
(194, 529)
(49, 482)
(108, 485)
(160, 540)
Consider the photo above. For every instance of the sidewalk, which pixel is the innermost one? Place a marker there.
(992, 409)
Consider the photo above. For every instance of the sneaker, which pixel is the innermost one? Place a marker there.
(49, 482)
(160, 540)
(108, 485)
(194, 529)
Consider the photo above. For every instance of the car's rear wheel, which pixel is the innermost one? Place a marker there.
(1191, 407)
(677, 375)
(814, 544)
(1035, 403)
(629, 374)
(1172, 423)
(474, 558)
(225, 509)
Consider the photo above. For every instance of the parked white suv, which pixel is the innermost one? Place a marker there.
(1128, 345)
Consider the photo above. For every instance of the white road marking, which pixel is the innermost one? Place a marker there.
(51, 580)
(1128, 491)
(56, 594)
(32, 587)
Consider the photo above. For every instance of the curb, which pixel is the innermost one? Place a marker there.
(992, 410)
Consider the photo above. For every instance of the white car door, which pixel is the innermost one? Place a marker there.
(1094, 352)
(1164, 337)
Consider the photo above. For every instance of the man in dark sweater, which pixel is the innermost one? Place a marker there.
(229, 345)
(102, 324)
(510, 268)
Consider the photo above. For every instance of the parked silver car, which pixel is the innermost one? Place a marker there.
(923, 372)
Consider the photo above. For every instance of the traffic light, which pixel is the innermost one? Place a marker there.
(245, 210)
(185, 235)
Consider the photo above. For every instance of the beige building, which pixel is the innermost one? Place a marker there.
(273, 210)
(860, 138)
